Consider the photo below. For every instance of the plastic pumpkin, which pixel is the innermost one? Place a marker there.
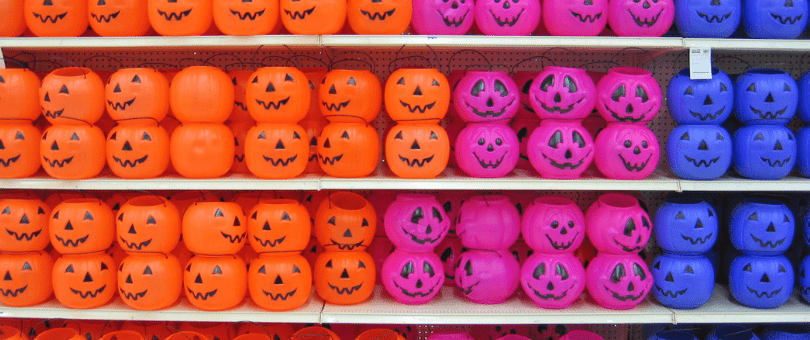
(344, 277)
(629, 95)
(19, 86)
(765, 96)
(81, 225)
(345, 221)
(138, 151)
(617, 224)
(202, 150)
(280, 283)
(379, 17)
(137, 93)
(699, 152)
(180, 17)
(150, 330)
(487, 150)
(350, 96)
(419, 95)
(276, 151)
(761, 281)
(417, 150)
(348, 150)
(626, 151)
(240, 114)
(761, 226)
(277, 95)
(553, 225)
(26, 278)
(774, 19)
(764, 151)
(646, 18)
(486, 96)
(56, 18)
(575, 18)
(281, 331)
(84, 281)
(118, 18)
(478, 214)
(487, 277)
(14, 23)
(416, 222)
(682, 281)
(553, 281)
(72, 95)
(214, 228)
(215, 282)
(313, 17)
(201, 94)
(278, 225)
(412, 277)
(72, 151)
(437, 17)
(560, 149)
(150, 281)
(708, 19)
(240, 130)
(149, 224)
(699, 101)
(618, 281)
(496, 18)
(211, 330)
(562, 93)
(26, 225)
(686, 225)
(237, 17)
(19, 150)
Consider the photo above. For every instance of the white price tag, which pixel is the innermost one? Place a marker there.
(700, 63)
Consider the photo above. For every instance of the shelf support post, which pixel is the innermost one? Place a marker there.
(700, 63)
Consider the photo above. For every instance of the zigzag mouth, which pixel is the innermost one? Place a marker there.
(637, 166)
(671, 293)
(558, 109)
(626, 119)
(330, 160)
(768, 244)
(13, 292)
(346, 246)
(629, 249)
(71, 243)
(89, 293)
(699, 240)
(378, 15)
(645, 22)
(624, 297)
(130, 296)
(104, 18)
(239, 158)
(274, 105)
(507, 21)
(490, 164)
(335, 107)
(7, 162)
(46, 18)
(24, 236)
(454, 22)
(764, 294)
(347, 290)
(280, 296)
(468, 289)
(54, 114)
(202, 296)
(586, 18)
(271, 243)
(561, 246)
(119, 105)
(775, 163)
(247, 15)
(416, 162)
(313, 157)
(240, 105)
(702, 162)
(279, 161)
(56, 162)
(233, 238)
(528, 108)
(426, 240)
(129, 163)
(415, 294)
(563, 166)
(550, 295)
(708, 116)
(787, 20)
(714, 18)
(804, 290)
(135, 246)
(414, 108)
(299, 15)
(174, 15)
(768, 114)
(489, 113)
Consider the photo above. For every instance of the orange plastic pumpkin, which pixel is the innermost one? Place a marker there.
(278, 95)
(72, 151)
(348, 150)
(313, 17)
(214, 228)
(417, 95)
(211, 330)
(344, 277)
(26, 225)
(240, 78)
(81, 225)
(201, 94)
(280, 225)
(239, 17)
(350, 96)
(276, 331)
(150, 330)
(57, 197)
(122, 335)
(56, 18)
(215, 282)
(19, 150)
(276, 151)
(149, 224)
(118, 199)
(345, 221)
(134, 93)
(72, 95)
(11, 333)
(26, 278)
(58, 333)
(379, 17)
(118, 18)
(84, 281)
(150, 281)
(240, 130)
(184, 199)
(417, 150)
(180, 17)
(380, 334)
(314, 75)
(200, 150)
(18, 85)
(315, 333)
(138, 150)
(186, 335)
(280, 282)
(13, 23)
(313, 129)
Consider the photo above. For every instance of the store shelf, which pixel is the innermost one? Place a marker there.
(723, 309)
(449, 307)
(749, 44)
(173, 43)
(732, 183)
(499, 41)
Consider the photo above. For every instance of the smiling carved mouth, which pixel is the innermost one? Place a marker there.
(136, 246)
(174, 15)
(628, 249)
(768, 114)
(562, 166)
(415, 294)
(490, 164)
(506, 21)
(787, 20)
(281, 162)
(202, 296)
(426, 240)
(455, 22)
(561, 246)
(130, 296)
(714, 18)
(625, 297)
(71, 243)
(24, 236)
(557, 108)
(280, 296)
(46, 18)
(378, 16)
(768, 244)
(240, 105)
(671, 293)
(550, 295)
(335, 107)
(764, 294)
(414, 108)
(586, 18)
(271, 243)
(130, 163)
(330, 160)
(699, 240)
(233, 238)
(299, 15)
(275, 105)
(7, 162)
(346, 246)
(645, 22)
(56, 162)
(347, 290)
(469, 288)
(637, 166)
(54, 114)
(105, 18)
(120, 106)
(774, 163)
(705, 117)
(89, 293)
(248, 15)
(13, 292)
(416, 161)
(702, 162)
(489, 113)
(626, 119)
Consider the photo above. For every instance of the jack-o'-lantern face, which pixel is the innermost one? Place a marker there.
(629, 95)
(563, 92)
(487, 149)
(418, 95)
(55, 18)
(19, 150)
(138, 151)
(72, 95)
(279, 226)
(343, 277)
(418, 150)
(180, 17)
(148, 224)
(81, 225)
(86, 280)
(630, 279)
(585, 16)
(348, 150)
(485, 96)
(507, 17)
(692, 147)
(562, 149)
(443, 16)
(278, 95)
(765, 95)
(313, 17)
(637, 149)
(150, 281)
(379, 17)
(553, 281)
(137, 93)
(214, 228)
(240, 80)
(345, 221)
(246, 17)
(26, 278)
(276, 150)
(762, 281)
(118, 17)
(280, 282)
(25, 224)
(413, 278)
(771, 151)
(350, 96)
(215, 282)
(21, 87)
(72, 151)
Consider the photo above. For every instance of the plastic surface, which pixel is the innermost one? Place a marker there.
(437, 17)
(416, 222)
(495, 17)
(487, 150)
(560, 149)
(765, 96)
(628, 18)
(699, 152)
(552, 281)
(700, 101)
(486, 96)
(707, 18)
(774, 19)
(682, 281)
(761, 281)
(553, 225)
(618, 281)
(762, 226)
(575, 18)
(628, 94)
(477, 217)
(412, 277)
(764, 151)
(562, 93)
(487, 277)
(617, 224)
(686, 225)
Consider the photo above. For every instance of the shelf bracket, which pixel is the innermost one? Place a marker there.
(2, 59)
(700, 63)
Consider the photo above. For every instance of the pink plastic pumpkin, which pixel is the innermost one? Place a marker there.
(626, 151)
(487, 277)
(507, 17)
(416, 222)
(553, 225)
(521, 251)
(618, 281)
(412, 277)
(451, 203)
(449, 250)
(487, 150)
(553, 281)
(616, 224)
(486, 96)
(643, 18)
(439, 17)
(563, 93)
(524, 80)
(379, 249)
(452, 334)
(575, 18)
(484, 332)
(523, 128)
(628, 94)
(581, 335)
(478, 217)
(560, 149)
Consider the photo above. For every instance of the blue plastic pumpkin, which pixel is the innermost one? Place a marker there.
(761, 225)
(732, 332)
(707, 18)
(672, 335)
(786, 332)
(700, 101)
(699, 152)
(803, 151)
(804, 279)
(764, 151)
(774, 19)
(804, 97)
(686, 225)
(682, 281)
(761, 281)
(765, 96)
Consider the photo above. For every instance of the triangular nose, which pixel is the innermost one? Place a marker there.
(344, 274)
(326, 143)
(348, 233)
(703, 145)
(117, 86)
(198, 279)
(279, 145)
(88, 278)
(788, 3)
(68, 226)
(669, 277)
(415, 146)
(7, 277)
(765, 279)
(771, 228)
(127, 147)
(47, 3)
(129, 278)
(332, 90)
(778, 146)
(102, 3)
(417, 92)
(54, 146)
(708, 101)
(769, 99)
(278, 280)
(132, 229)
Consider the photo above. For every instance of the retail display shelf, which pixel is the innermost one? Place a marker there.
(452, 41)
(733, 183)
(108, 182)
(749, 44)
(173, 43)
(723, 309)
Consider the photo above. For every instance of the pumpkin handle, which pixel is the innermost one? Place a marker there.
(596, 62)
(19, 63)
(325, 64)
(145, 62)
(369, 63)
(346, 115)
(564, 50)
(533, 58)
(204, 62)
(628, 49)
(79, 119)
(430, 62)
(72, 63)
(136, 118)
(747, 64)
(109, 58)
(482, 55)
(162, 199)
(404, 58)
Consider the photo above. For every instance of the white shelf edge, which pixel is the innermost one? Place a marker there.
(499, 41)
(749, 44)
(722, 309)
(231, 182)
(730, 183)
(160, 42)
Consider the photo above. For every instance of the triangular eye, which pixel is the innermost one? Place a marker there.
(657, 265)
(56, 215)
(255, 215)
(685, 136)
(136, 79)
(399, 135)
(417, 215)
(787, 219)
(639, 271)
(689, 270)
(539, 271)
(365, 223)
(680, 216)
(688, 91)
(74, 137)
(759, 136)
(351, 81)
(711, 213)
(147, 271)
(753, 217)
(328, 264)
(121, 217)
(560, 270)
(69, 269)
(286, 217)
(64, 90)
(618, 273)
(104, 266)
(620, 92)
(40, 211)
(296, 135)
(433, 135)
(146, 136)
(219, 213)
(6, 210)
(752, 88)
(723, 87)
(720, 136)
(262, 136)
(151, 220)
(401, 81)
(787, 87)
(88, 216)
(782, 269)
(288, 77)
(345, 135)
(255, 80)
(361, 265)
(747, 268)
(296, 269)
(435, 83)
(26, 266)
(114, 136)
(437, 214)
(188, 267)
(407, 270)
(19, 135)
(331, 220)
(217, 270)
(2, 80)
(262, 270)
